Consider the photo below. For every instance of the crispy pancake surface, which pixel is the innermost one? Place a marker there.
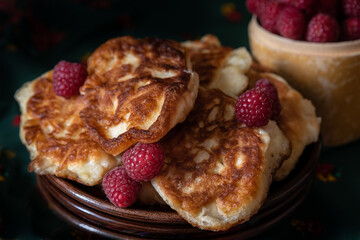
(56, 137)
(137, 90)
(218, 66)
(218, 171)
(297, 118)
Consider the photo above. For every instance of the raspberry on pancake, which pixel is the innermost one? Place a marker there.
(218, 171)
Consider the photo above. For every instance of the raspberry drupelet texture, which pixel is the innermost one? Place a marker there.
(288, 2)
(119, 188)
(260, 7)
(252, 5)
(144, 161)
(291, 23)
(351, 8)
(351, 29)
(253, 108)
(323, 28)
(68, 78)
(269, 89)
(303, 4)
(269, 16)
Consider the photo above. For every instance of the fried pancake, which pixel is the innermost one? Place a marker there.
(56, 137)
(219, 67)
(136, 91)
(297, 118)
(218, 171)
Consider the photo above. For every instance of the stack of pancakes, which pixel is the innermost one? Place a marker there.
(217, 171)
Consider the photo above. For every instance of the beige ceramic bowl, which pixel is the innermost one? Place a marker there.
(328, 74)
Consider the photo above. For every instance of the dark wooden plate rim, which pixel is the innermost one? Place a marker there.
(105, 220)
(278, 192)
(251, 231)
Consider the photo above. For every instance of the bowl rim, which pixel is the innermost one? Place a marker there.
(343, 48)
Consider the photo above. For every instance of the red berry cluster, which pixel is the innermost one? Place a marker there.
(142, 162)
(258, 105)
(309, 20)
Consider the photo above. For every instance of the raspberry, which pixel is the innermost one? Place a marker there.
(322, 28)
(291, 23)
(284, 1)
(252, 5)
(67, 78)
(269, 15)
(351, 8)
(269, 89)
(351, 29)
(119, 188)
(303, 4)
(260, 7)
(253, 108)
(143, 161)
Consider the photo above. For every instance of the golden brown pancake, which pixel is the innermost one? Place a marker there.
(218, 171)
(56, 137)
(218, 66)
(297, 118)
(136, 91)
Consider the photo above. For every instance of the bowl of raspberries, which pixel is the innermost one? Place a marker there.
(315, 46)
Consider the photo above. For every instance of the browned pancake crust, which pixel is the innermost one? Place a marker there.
(207, 55)
(232, 187)
(103, 86)
(45, 108)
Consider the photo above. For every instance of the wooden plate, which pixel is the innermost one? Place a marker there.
(108, 226)
(89, 205)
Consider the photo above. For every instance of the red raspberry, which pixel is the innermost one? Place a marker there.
(303, 4)
(252, 5)
(119, 188)
(351, 29)
(291, 23)
(351, 8)
(269, 89)
(68, 78)
(260, 8)
(322, 28)
(253, 108)
(284, 1)
(144, 161)
(269, 15)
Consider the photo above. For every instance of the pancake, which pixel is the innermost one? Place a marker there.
(297, 118)
(218, 172)
(56, 137)
(136, 91)
(218, 66)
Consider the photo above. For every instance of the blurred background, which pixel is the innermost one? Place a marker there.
(35, 35)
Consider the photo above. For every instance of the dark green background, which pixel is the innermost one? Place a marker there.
(35, 35)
